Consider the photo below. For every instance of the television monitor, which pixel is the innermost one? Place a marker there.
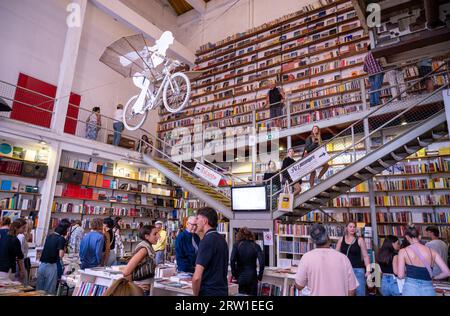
(248, 199)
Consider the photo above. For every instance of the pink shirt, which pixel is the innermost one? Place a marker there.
(326, 272)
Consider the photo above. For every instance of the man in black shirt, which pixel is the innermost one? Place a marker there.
(285, 177)
(211, 270)
(53, 251)
(274, 100)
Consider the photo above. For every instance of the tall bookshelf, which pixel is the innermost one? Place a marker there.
(305, 50)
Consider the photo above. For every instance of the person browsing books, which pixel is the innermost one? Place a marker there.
(415, 263)
(243, 260)
(323, 270)
(160, 246)
(437, 245)
(110, 242)
(54, 250)
(76, 235)
(313, 142)
(120, 248)
(91, 246)
(144, 251)
(387, 259)
(186, 246)
(274, 100)
(211, 267)
(355, 249)
(11, 252)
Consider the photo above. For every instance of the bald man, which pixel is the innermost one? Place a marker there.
(186, 246)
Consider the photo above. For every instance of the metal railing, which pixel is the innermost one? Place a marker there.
(374, 122)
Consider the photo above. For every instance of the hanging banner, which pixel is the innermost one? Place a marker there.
(209, 175)
(308, 164)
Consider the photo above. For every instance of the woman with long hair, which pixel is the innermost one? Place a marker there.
(354, 247)
(243, 260)
(387, 259)
(119, 249)
(313, 142)
(149, 236)
(415, 263)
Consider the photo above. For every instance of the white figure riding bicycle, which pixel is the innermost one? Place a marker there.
(156, 82)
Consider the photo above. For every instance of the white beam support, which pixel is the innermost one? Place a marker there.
(67, 69)
(130, 18)
(198, 5)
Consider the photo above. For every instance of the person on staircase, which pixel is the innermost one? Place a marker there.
(285, 177)
(354, 247)
(313, 142)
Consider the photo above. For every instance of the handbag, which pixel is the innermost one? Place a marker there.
(144, 270)
(286, 199)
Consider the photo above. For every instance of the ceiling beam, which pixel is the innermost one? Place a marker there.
(133, 20)
(198, 5)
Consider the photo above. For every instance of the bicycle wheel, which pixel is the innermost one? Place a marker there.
(176, 95)
(131, 119)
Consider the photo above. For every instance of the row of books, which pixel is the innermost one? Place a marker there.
(398, 230)
(11, 167)
(188, 204)
(87, 165)
(304, 229)
(18, 202)
(414, 200)
(90, 289)
(412, 184)
(13, 186)
(294, 246)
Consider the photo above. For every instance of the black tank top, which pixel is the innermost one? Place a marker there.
(387, 268)
(354, 254)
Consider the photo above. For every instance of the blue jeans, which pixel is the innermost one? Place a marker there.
(118, 128)
(416, 287)
(389, 286)
(360, 274)
(376, 81)
(46, 278)
(159, 257)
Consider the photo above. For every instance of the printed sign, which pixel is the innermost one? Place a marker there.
(308, 164)
(268, 238)
(209, 175)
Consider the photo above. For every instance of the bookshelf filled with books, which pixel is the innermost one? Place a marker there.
(23, 171)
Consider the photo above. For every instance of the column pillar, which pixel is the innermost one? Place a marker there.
(67, 68)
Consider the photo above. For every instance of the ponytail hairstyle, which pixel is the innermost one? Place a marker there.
(16, 225)
(412, 231)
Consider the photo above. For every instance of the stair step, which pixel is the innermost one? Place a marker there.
(400, 156)
(362, 176)
(386, 163)
(411, 149)
(438, 134)
(374, 170)
(424, 142)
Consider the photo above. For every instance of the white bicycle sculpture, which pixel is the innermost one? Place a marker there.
(156, 84)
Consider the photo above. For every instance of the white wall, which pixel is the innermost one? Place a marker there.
(220, 23)
(32, 34)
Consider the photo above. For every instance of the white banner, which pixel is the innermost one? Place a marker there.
(209, 175)
(308, 164)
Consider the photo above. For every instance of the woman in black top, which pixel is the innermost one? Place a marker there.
(11, 251)
(355, 249)
(284, 176)
(387, 259)
(243, 259)
(312, 143)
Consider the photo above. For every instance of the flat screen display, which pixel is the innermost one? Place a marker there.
(249, 199)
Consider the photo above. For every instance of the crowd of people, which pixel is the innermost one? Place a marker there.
(406, 268)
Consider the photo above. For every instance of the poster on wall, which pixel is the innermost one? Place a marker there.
(268, 238)
(308, 164)
(209, 175)
(13, 215)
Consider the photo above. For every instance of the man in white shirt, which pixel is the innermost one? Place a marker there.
(437, 245)
(118, 125)
(325, 271)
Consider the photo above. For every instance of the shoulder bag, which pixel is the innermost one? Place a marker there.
(146, 269)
